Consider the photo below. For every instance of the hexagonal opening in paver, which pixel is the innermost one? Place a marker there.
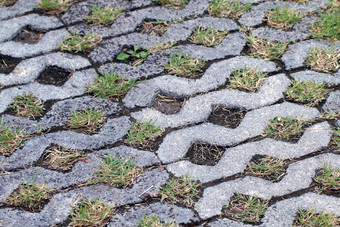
(288, 129)
(7, 64)
(27, 105)
(313, 218)
(7, 3)
(86, 121)
(184, 191)
(204, 154)
(266, 167)
(144, 135)
(91, 213)
(29, 36)
(283, 18)
(61, 159)
(54, 75)
(153, 27)
(328, 179)
(168, 105)
(10, 139)
(228, 8)
(324, 60)
(227, 117)
(133, 55)
(246, 79)
(30, 197)
(117, 172)
(245, 208)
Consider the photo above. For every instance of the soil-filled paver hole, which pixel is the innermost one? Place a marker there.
(54, 75)
(153, 27)
(27, 35)
(204, 154)
(168, 105)
(230, 118)
(7, 64)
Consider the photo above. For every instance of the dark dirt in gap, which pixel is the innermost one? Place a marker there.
(153, 28)
(230, 118)
(54, 75)
(7, 64)
(204, 154)
(28, 36)
(168, 105)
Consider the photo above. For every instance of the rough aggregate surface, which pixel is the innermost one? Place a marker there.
(306, 155)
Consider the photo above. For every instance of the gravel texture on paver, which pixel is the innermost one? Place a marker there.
(311, 151)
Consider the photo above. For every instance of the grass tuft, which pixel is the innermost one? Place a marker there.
(308, 92)
(7, 2)
(269, 168)
(245, 208)
(10, 139)
(143, 132)
(103, 16)
(328, 178)
(336, 139)
(54, 7)
(227, 8)
(312, 218)
(328, 27)
(184, 65)
(110, 86)
(324, 60)
(79, 43)
(208, 37)
(27, 106)
(174, 4)
(247, 79)
(30, 196)
(162, 46)
(91, 213)
(266, 49)
(117, 172)
(284, 128)
(89, 121)
(184, 191)
(153, 221)
(283, 18)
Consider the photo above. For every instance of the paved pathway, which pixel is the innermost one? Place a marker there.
(191, 125)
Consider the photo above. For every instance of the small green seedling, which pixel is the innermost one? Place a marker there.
(27, 106)
(245, 208)
(228, 8)
(308, 92)
(285, 128)
(310, 217)
(266, 49)
(91, 213)
(269, 168)
(137, 55)
(89, 121)
(110, 86)
(174, 4)
(30, 196)
(117, 172)
(153, 221)
(324, 60)
(103, 16)
(79, 43)
(54, 6)
(10, 139)
(207, 36)
(328, 26)
(328, 178)
(184, 191)
(184, 65)
(283, 18)
(143, 132)
(247, 79)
